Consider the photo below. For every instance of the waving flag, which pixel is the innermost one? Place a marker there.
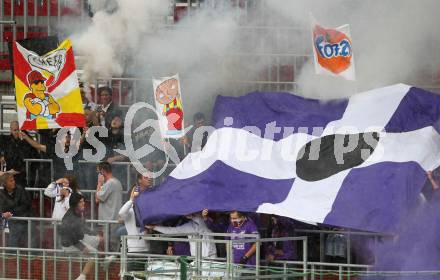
(47, 89)
(265, 157)
(332, 50)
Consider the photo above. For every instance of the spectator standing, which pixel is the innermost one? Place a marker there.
(243, 252)
(108, 197)
(108, 193)
(61, 190)
(75, 236)
(16, 149)
(15, 200)
(128, 215)
(115, 140)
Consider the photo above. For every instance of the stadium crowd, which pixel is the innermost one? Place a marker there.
(109, 181)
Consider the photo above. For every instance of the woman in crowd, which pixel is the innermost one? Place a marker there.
(61, 190)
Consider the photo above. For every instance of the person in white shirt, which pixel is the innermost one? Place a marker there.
(128, 215)
(61, 190)
(195, 225)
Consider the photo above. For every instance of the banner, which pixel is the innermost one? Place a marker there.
(168, 99)
(332, 50)
(372, 186)
(47, 89)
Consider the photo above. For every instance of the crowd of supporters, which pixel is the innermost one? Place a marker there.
(112, 188)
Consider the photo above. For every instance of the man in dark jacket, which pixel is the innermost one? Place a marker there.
(75, 236)
(16, 149)
(106, 108)
(15, 199)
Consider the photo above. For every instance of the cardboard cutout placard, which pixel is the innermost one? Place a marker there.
(332, 50)
(168, 100)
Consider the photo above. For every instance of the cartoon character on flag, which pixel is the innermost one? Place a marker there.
(47, 88)
(169, 106)
(332, 49)
(38, 102)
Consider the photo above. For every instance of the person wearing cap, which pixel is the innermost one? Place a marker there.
(75, 236)
(38, 102)
(61, 190)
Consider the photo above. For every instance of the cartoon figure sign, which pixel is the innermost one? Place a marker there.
(333, 51)
(47, 89)
(38, 102)
(168, 99)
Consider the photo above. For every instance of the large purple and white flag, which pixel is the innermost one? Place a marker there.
(357, 163)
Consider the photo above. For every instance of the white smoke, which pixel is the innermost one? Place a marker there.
(393, 41)
(113, 37)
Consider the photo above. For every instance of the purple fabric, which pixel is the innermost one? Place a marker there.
(376, 197)
(216, 226)
(181, 249)
(417, 247)
(287, 110)
(287, 249)
(418, 109)
(379, 197)
(283, 228)
(220, 188)
(240, 249)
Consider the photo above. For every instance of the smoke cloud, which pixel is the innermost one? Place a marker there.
(217, 51)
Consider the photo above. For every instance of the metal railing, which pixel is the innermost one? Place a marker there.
(41, 198)
(54, 224)
(348, 234)
(225, 267)
(48, 256)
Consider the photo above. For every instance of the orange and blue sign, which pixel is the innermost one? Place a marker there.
(333, 51)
